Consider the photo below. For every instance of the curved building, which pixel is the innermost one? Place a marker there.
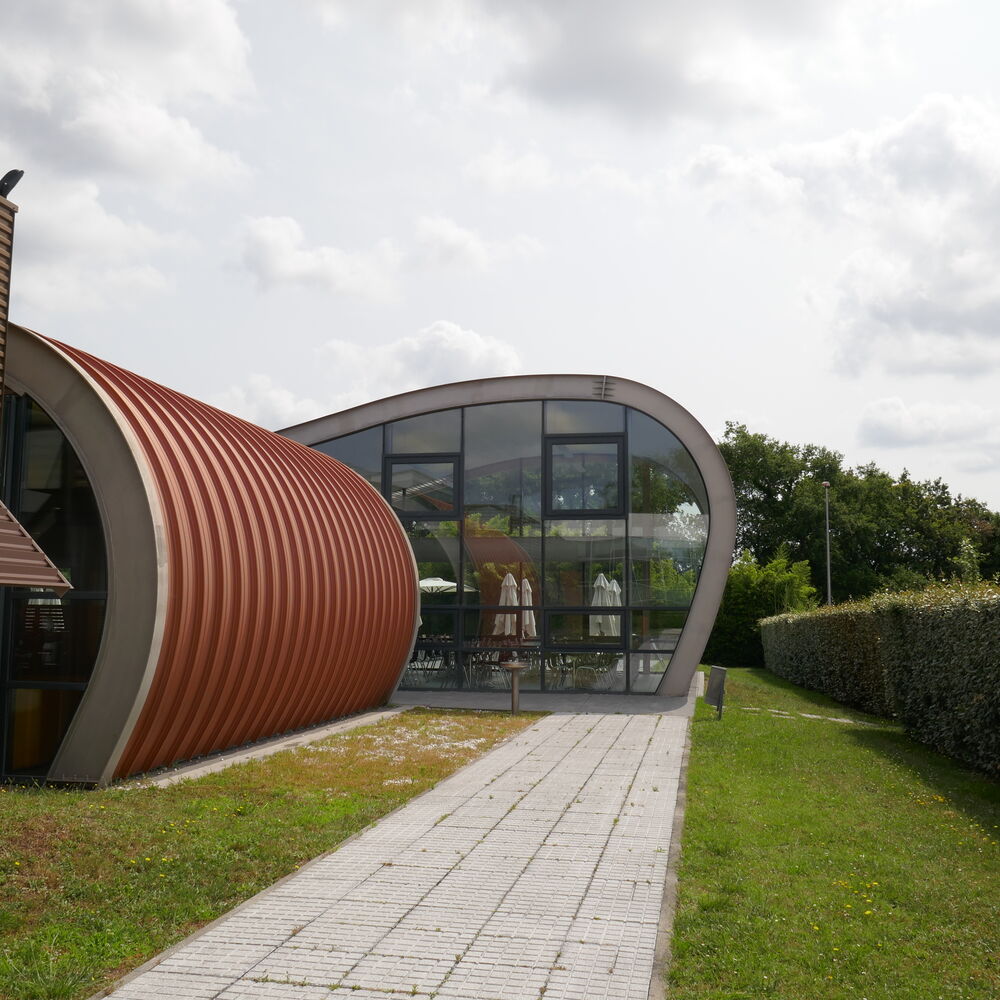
(228, 584)
(581, 524)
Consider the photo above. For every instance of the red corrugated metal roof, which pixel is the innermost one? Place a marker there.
(291, 585)
(22, 562)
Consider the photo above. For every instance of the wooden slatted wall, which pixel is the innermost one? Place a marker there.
(7, 210)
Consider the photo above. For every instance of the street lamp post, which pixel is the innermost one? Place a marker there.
(829, 589)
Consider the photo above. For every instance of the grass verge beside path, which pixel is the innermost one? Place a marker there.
(92, 884)
(831, 860)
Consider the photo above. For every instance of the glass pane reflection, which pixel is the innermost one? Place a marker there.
(55, 640)
(501, 627)
(585, 671)
(647, 671)
(38, 721)
(657, 630)
(573, 629)
(667, 553)
(577, 554)
(426, 434)
(432, 667)
(56, 504)
(426, 487)
(663, 476)
(583, 416)
(584, 476)
(435, 547)
(494, 560)
(503, 465)
(361, 452)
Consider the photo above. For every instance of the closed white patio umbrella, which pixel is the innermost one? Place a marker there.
(528, 629)
(602, 598)
(506, 624)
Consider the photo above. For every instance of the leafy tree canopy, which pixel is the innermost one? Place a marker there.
(885, 532)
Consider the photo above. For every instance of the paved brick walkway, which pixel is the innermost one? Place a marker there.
(537, 871)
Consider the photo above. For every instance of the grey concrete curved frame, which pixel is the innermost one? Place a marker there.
(694, 437)
(136, 560)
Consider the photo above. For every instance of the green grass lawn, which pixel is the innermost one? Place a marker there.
(831, 860)
(93, 883)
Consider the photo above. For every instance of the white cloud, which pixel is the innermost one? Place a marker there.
(111, 87)
(265, 403)
(442, 242)
(892, 422)
(274, 251)
(643, 58)
(73, 254)
(502, 171)
(440, 353)
(920, 199)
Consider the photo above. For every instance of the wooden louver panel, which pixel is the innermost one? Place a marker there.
(22, 562)
(7, 211)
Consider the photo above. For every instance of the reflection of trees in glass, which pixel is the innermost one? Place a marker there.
(511, 489)
(435, 548)
(666, 583)
(494, 551)
(661, 485)
(576, 553)
(585, 476)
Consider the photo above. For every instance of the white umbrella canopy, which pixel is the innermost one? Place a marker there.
(528, 629)
(437, 585)
(506, 624)
(602, 597)
(616, 600)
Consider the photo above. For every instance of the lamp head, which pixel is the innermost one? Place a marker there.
(8, 181)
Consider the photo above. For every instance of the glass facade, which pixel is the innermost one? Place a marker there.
(49, 644)
(565, 534)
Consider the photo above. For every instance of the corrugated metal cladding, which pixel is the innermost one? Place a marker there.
(292, 589)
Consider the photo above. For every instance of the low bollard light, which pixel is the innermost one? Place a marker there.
(515, 669)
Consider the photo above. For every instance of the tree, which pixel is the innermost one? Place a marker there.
(754, 592)
(885, 532)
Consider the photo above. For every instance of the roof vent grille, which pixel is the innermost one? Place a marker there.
(604, 387)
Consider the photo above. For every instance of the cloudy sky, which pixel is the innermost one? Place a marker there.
(779, 212)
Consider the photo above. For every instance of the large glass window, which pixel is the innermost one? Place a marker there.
(503, 466)
(361, 452)
(565, 534)
(50, 644)
(583, 416)
(584, 562)
(422, 486)
(428, 433)
(585, 476)
(662, 474)
(435, 547)
(493, 560)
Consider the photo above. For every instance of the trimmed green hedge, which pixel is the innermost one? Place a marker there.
(931, 658)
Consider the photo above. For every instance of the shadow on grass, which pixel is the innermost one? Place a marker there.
(760, 677)
(972, 792)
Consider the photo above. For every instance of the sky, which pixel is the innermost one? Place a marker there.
(784, 213)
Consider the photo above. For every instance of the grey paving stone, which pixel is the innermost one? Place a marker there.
(538, 871)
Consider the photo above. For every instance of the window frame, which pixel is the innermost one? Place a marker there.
(549, 441)
(452, 458)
